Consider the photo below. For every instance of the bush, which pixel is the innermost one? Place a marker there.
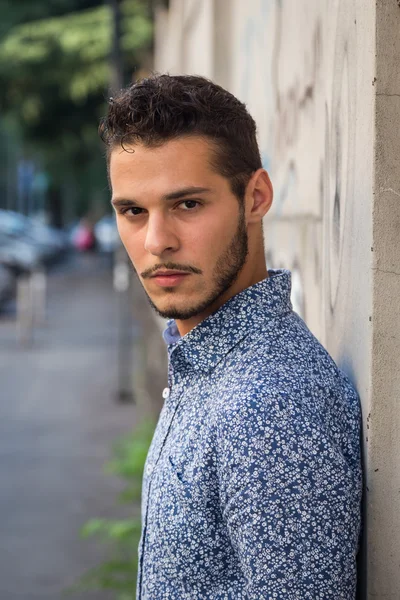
(120, 571)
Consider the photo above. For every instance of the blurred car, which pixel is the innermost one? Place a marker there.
(50, 236)
(48, 242)
(106, 233)
(18, 255)
(6, 284)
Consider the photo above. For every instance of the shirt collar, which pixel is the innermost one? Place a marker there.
(210, 341)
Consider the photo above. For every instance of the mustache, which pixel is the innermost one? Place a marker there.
(170, 266)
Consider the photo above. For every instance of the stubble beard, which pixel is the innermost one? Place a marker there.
(226, 272)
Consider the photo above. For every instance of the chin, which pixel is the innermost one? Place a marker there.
(178, 306)
(172, 312)
(176, 312)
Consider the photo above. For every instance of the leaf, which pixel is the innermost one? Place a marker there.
(54, 75)
(119, 572)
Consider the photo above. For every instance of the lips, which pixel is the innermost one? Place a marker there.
(169, 278)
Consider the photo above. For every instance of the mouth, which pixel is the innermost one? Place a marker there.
(169, 278)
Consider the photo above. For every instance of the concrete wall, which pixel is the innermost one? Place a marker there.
(384, 415)
(180, 43)
(322, 79)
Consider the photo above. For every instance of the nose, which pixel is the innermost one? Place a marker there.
(160, 238)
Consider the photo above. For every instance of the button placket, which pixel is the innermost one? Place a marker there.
(172, 402)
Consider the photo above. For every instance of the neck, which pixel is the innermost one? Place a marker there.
(245, 280)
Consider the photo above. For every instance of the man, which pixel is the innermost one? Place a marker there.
(252, 483)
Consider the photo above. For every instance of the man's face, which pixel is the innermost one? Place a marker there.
(180, 223)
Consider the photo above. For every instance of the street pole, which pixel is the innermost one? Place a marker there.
(122, 270)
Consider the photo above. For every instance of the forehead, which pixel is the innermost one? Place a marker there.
(187, 160)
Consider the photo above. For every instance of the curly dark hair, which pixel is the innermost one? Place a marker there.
(163, 107)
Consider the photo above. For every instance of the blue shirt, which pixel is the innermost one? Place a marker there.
(252, 483)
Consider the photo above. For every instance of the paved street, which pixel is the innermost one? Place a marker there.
(58, 420)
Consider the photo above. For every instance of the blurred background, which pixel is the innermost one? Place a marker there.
(75, 375)
(82, 363)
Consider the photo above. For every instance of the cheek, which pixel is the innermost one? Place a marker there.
(211, 237)
(199, 244)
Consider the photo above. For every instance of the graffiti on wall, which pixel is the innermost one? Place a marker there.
(339, 155)
(302, 88)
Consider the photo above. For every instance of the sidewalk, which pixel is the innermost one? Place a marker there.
(58, 421)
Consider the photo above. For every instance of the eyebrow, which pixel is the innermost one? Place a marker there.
(176, 195)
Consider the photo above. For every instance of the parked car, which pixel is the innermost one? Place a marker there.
(54, 238)
(18, 254)
(6, 284)
(48, 242)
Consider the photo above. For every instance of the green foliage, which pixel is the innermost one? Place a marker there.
(55, 71)
(68, 54)
(13, 13)
(119, 572)
(129, 458)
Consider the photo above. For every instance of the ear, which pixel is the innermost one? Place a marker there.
(259, 195)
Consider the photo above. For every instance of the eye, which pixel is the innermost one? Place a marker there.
(189, 204)
(133, 211)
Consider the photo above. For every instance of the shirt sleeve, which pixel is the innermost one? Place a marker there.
(290, 500)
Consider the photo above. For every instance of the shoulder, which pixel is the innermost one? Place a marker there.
(282, 411)
(283, 378)
(281, 358)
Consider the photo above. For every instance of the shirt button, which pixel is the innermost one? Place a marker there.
(149, 470)
(165, 393)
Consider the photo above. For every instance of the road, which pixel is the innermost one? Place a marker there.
(58, 421)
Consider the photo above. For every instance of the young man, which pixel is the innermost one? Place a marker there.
(252, 483)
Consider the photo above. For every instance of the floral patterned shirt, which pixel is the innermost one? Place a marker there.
(252, 484)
